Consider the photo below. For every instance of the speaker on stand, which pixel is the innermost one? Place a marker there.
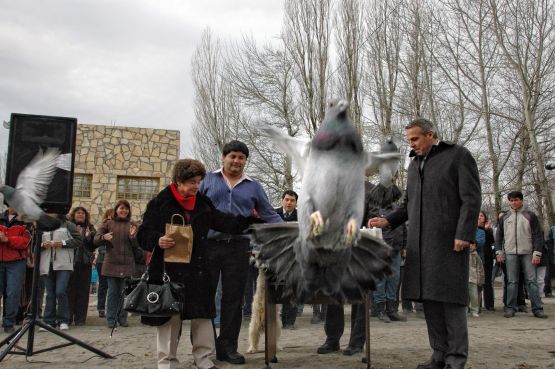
(28, 135)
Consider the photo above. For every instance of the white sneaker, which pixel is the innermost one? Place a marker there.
(64, 327)
(41, 329)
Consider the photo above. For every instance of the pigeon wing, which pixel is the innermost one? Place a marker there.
(34, 179)
(277, 242)
(296, 148)
(386, 163)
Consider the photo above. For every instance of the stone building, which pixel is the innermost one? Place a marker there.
(113, 163)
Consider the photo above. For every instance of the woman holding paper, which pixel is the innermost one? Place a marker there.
(181, 197)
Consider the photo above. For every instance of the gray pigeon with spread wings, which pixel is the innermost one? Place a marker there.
(326, 251)
(31, 188)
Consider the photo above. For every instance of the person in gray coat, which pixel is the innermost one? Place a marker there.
(441, 203)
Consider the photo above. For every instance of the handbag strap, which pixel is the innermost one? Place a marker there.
(146, 275)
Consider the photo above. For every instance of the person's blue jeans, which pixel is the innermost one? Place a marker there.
(12, 274)
(102, 289)
(56, 308)
(386, 290)
(514, 264)
(114, 301)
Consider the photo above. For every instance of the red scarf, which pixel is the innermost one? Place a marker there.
(187, 203)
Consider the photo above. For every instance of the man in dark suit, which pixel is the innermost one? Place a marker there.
(288, 212)
(442, 203)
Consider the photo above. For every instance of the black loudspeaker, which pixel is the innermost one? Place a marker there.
(28, 134)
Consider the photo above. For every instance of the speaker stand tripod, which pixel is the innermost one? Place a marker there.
(31, 321)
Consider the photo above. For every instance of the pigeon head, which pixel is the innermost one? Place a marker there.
(388, 146)
(337, 131)
(7, 191)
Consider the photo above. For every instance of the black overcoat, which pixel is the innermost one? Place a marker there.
(441, 204)
(198, 294)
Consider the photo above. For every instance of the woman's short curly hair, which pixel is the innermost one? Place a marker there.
(186, 169)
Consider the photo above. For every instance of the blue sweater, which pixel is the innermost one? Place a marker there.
(246, 196)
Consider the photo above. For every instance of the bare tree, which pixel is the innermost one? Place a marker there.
(263, 80)
(214, 102)
(525, 32)
(306, 35)
(349, 35)
(384, 42)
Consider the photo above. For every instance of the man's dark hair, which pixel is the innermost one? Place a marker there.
(185, 169)
(514, 195)
(235, 146)
(424, 124)
(290, 193)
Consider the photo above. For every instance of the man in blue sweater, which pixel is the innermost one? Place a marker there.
(232, 191)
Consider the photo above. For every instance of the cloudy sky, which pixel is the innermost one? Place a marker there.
(122, 62)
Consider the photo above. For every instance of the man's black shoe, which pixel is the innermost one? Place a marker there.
(540, 314)
(350, 350)
(231, 357)
(326, 348)
(509, 313)
(431, 364)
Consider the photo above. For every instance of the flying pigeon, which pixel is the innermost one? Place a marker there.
(326, 251)
(32, 187)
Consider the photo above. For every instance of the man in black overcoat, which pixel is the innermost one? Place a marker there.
(442, 203)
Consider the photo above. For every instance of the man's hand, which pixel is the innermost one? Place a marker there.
(460, 245)
(536, 260)
(378, 222)
(500, 258)
(3, 237)
(165, 242)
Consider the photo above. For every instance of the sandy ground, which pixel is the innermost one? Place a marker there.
(496, 342)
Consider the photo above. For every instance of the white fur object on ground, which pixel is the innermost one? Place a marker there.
(257, 324)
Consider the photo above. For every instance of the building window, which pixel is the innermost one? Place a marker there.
(137, 188)
(82, 185)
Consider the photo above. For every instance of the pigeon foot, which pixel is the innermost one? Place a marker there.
(351, 231)
(316, 224)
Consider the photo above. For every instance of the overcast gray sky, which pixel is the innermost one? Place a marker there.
(122, 62)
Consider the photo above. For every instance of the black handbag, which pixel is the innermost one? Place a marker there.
(154, 300)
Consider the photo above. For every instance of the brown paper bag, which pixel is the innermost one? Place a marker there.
(182, 234)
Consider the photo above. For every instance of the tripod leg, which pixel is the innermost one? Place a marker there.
(71, 339)
(13, 339)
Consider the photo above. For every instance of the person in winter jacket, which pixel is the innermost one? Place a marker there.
(119, 237)
(56, 265)
(15, 237)
(519, 245)
(78, 291)
(182, 197)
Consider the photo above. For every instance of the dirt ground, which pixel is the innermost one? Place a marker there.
(496, 342)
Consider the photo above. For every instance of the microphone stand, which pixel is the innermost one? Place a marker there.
(31, 320)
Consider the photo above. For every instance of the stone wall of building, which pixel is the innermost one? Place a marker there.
(107, 152)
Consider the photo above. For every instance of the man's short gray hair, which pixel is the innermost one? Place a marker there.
(424, 124)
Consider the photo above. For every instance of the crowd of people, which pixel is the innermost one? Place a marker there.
(446, 254)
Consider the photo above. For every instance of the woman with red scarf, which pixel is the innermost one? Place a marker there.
(182, 197)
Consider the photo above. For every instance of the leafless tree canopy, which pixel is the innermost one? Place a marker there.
(482, 71)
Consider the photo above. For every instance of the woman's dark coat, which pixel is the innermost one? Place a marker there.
(442, 203)
(198, 294)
